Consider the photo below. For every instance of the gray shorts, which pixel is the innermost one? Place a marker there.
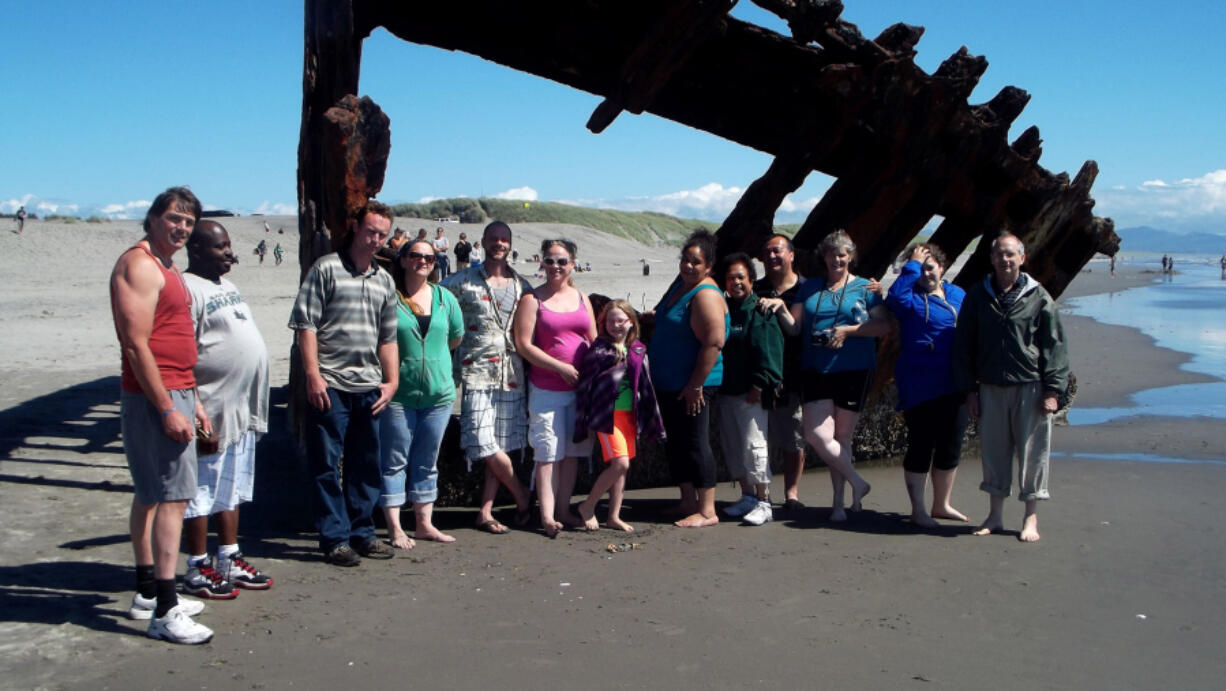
(162, 469)
(492, 420)
(783, 428)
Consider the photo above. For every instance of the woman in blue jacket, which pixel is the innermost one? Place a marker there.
(927, 311)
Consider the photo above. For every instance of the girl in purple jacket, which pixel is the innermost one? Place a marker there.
(615, 398)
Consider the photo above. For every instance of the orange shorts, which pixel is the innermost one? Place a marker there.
(621, 442)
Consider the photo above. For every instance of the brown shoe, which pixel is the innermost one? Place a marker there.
(374, 549)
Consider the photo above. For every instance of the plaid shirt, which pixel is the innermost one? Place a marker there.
(486, 357)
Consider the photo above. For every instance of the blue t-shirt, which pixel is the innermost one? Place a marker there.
(826, 309)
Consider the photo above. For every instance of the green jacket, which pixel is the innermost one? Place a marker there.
(753, 351)
(425, 363)
(1024, 345)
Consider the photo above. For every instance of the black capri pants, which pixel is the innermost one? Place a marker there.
(689, 439)
(935, 429)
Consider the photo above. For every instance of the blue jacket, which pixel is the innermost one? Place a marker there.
(924, 370)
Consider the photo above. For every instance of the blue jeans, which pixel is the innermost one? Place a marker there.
(443, 265)
(411, 438)
(348, 428)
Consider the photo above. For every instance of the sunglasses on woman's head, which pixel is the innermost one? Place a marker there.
(560, 261)
(414, 256)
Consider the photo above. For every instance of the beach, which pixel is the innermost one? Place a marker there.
(1123, 591)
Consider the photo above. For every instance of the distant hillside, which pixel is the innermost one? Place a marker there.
(644, 227)
(1147, 239)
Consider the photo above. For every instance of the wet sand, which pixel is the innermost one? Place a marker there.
(1124, 590)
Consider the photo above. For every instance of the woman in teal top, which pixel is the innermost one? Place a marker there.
(430, 326)
(838, 318)
(691, 322)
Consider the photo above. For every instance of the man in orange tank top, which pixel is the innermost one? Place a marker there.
(159, 413)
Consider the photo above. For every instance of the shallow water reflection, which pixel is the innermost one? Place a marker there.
(1183, 313)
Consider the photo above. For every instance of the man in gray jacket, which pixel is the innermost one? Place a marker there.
(1011, 359)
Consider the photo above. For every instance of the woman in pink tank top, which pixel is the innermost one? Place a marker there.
(553, 328)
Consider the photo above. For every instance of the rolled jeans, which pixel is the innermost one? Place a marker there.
(1011, 424)
(344, 515)
(409, 440)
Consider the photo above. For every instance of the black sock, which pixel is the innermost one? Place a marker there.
(167, 597)
(144, 581)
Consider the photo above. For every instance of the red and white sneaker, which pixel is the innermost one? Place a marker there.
(238, 571)
(202, 580)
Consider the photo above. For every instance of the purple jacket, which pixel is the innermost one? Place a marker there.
(600, 373)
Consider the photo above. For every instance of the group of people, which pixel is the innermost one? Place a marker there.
(786, 361)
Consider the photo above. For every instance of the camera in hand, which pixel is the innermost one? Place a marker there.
(822, 338)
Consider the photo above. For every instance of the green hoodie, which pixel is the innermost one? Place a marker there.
(425, 363)
(753, 351)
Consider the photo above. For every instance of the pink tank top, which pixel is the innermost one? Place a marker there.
(173, 340)
(564, 336)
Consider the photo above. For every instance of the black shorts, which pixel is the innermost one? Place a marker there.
(846, 389)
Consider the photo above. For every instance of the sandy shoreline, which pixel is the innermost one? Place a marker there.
(798, 602)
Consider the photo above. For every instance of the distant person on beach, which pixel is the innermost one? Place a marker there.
(345, 319)
(753, 382)
(614, 398)
(442, 263)
(1011, 362)
(421, 235)
(554, 326)
(397, 240)
(926, 308)
(838, 317)
(1222, 263)
(1166, 264)
(232, 382)
(1113, 265)
(159, 413)
(21, 219)
(478, 254)
(777, 290)
(493, 407)
(261, 250)
(462, 250)
(429, 327)
(278, 254)
(691, 324)
(267, 230)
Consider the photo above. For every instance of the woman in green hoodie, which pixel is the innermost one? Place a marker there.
(753, 378)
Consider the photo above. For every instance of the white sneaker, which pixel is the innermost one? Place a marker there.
(761, 513)
(142, 608)
(742, 507)
(178, 627)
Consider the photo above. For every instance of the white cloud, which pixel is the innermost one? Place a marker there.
(276, 209)
(10, 206)
(524, 194)
(132, 209)
(1186, 204)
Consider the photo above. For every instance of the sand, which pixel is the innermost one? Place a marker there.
(1124, 590)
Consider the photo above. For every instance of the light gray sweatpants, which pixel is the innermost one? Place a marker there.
(742, 428)
(1011, 424)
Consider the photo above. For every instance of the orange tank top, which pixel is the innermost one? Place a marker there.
(173, 340)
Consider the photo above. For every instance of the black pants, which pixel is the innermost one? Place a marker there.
(934, 434)
(689, 440)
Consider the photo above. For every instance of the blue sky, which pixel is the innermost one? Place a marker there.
(107, 104)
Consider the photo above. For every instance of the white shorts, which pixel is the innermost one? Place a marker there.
(551, 426)
(224, 479)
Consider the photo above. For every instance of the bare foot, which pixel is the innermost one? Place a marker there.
(856, 496)
(838, 515)
(1030, 529)
(923, 520)
(697, 520)
(949, 513)
(682, 509)
(569, 519)
(619, 524)
(589, 518)
(401, 541)
(989, 526)
(433, 535)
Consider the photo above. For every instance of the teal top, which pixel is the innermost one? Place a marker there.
(826, 309)
(674, 347)
(425, 362)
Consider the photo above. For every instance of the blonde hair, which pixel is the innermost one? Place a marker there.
(633, 334)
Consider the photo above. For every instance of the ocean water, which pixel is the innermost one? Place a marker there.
(1183, 312)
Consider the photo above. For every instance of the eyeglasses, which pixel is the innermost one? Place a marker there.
(560, 261)
(418, 256)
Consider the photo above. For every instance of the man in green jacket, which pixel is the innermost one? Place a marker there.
(1011, 359)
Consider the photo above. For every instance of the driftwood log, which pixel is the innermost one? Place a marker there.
(904, 146)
